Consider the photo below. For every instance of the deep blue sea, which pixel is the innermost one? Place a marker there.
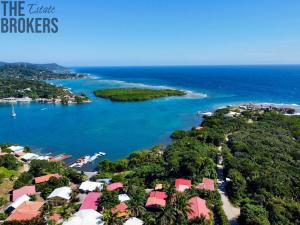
(120, 128)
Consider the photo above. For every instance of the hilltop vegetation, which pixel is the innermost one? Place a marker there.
(262, 161)
(37, 71)
(20, 80)
(136, 94)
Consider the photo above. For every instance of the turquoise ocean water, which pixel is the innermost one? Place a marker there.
(119, 128)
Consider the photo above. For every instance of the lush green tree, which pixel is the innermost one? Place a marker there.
(253, 215)
(24, 179)
(10, 162)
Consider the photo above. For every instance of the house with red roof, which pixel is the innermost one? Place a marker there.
(198, 208)
(207, 184)
(158, 194)
(153, 202)
(26, 190)
(45, 178)
(91, 201)
(120, 209)
(114, 186)
(26, 211)
(182, 184)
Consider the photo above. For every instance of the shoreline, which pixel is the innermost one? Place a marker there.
(90, 167)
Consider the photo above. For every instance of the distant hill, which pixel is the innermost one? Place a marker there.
(49, 66)
(36, 71)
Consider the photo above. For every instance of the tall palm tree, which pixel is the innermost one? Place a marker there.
(111, 218)
(181, 205)
(167, 216)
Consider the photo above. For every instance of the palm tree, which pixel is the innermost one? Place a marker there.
(110, 218)
(181, 206)
(47, 211)
(167, 216)
(136, 206)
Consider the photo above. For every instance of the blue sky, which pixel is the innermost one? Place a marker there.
(163, 32)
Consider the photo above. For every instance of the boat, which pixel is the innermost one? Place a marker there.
(80, 161)
(13, 113)
(96, 155)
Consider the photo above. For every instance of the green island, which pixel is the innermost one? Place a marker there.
(260, 149)
(25, 82)
(136, 94)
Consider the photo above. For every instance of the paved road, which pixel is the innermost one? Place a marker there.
(231, 212)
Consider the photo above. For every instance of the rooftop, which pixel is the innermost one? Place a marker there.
(114, 186)
(26, 211)
(62, 192)
(45, 178)
(91, 201)
(26, 190)
(198, 208)
(207, 184)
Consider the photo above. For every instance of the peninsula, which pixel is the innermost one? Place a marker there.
(136, 94)
(25, 82)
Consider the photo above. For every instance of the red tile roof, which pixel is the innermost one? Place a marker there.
(152, 201)
(26, 190)
(55, 217)
(120, 208)
(182, 184)
(26, 211)
(158, 194)
(114, 186)
(45, 178)
(91, 201)
(207, 184)
(198, 208)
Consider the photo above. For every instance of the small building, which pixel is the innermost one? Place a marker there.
(19, 201)
(158, 187)
(198, 208)
(153, 202)
(85, 217)
(105, 180)
(16, 148)
(29, 156)
(26, 190)
(89, 186)
(158, 194)
(207, 184)
(232, 114)
(26, 211)
(182, 184)
(134, 221)
(60, 196)
(120, 210)
(123, 197)
(45, 178)
(114, 186)
(91, 201)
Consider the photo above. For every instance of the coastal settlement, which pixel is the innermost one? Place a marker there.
(176, 184)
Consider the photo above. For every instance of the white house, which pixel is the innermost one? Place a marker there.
(29, 156)
(123, 198)
(19, 201)
(16, 148)
(60, 196)
(134, 221)
(85, 217)
(232, 114)
(89, 186)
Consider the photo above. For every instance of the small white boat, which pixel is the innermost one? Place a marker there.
(96, 155)
(13, 113)
(81, 161)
